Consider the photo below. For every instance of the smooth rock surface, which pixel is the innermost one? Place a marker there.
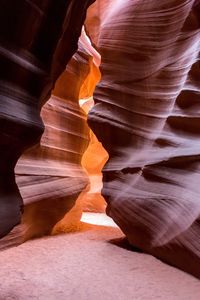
(50, 176)
(147, 117)
(36, 43)
(93, 161)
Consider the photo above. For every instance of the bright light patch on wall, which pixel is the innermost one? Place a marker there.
(100, 219)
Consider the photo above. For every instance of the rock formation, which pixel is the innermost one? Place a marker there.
(50, 175)
(38, 38)
(95, 156)
(146, 115)
(96, 14)
(93, 161)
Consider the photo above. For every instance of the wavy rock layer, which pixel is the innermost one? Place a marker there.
(37, 41)
(147, 117)
(93, 161)
(50, 175)
(96, 15)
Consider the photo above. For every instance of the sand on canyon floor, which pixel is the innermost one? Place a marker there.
(89, 265)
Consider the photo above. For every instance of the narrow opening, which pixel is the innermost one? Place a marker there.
(90, 202)
(95, 156)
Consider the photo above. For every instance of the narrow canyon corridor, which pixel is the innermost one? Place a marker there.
(100, 149)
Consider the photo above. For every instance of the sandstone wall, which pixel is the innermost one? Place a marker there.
(146, 115)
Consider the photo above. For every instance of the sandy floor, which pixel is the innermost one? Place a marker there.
(86, 265)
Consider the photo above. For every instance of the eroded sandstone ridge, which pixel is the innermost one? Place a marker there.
(49, 175)
(37, 39)
(93, 161)
(147, 117)
(95, 156)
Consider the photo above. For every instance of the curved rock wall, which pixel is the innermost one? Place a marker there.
(96, 14)
(50, 175)
(93, 161)
(37, 41)
(147, 117)
(95, 156)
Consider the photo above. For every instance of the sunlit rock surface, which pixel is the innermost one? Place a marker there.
(37, 41)
(54, 175)
(93, 161)
(147, 117)
(96, 14)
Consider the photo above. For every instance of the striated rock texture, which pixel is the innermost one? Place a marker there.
(50, 175)
(93, 161)
(147, 116)
(95, 156)
(96, 14)
(37, 39)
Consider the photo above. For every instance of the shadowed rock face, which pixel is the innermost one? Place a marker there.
(147, 117)
(37, 39)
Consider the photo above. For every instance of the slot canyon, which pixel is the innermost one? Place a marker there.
(100, 149)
